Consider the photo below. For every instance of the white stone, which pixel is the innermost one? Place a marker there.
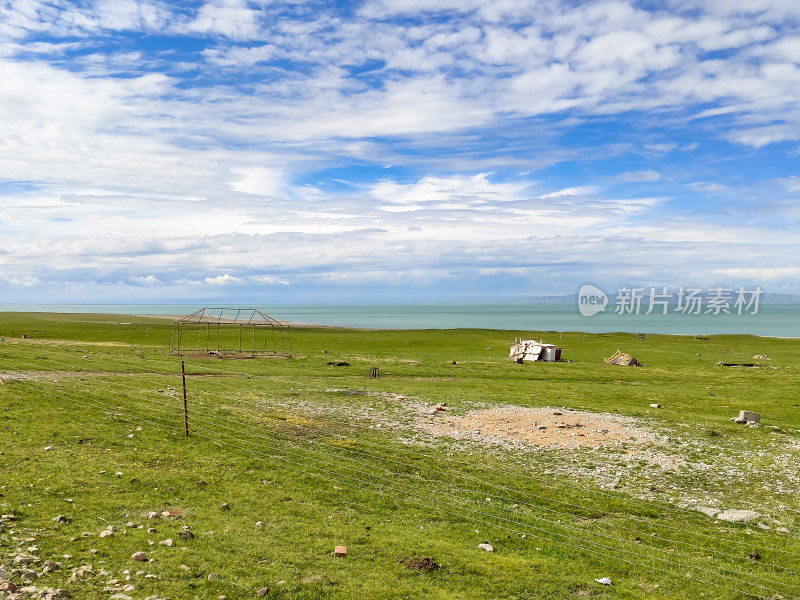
(738, 516)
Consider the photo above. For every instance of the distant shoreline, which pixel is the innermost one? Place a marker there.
(525, 320)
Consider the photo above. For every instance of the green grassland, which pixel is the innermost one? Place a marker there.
(307, 455)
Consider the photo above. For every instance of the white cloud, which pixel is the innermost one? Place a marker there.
(708, 186)
(230, 18)
(269, 279)
(790, 184)
(759, 274)
(152, 167)
(147, 280)
(258, 181)
(24, 281)
(445, 192)
(639, 176)
(569, 192)
(222, 280)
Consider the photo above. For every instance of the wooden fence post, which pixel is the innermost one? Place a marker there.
(185, 409)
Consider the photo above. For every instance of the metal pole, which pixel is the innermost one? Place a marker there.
(185, 409)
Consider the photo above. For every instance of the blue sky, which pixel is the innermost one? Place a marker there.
(388, 151)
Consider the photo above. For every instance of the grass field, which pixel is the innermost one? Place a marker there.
(306, 456)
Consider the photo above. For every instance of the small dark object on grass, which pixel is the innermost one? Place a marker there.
(201, 483)
(421, 564)
(186, 534)
(339, 363)
(755, 555)
(713, 434)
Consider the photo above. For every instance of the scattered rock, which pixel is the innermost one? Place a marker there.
(151, 530)
(261, 592)
(225, 506)
(8, 586)
(140, 556)
(604, 581)
(50, 566)
(486, 546)
(48, 448)
(746, 416)
(340, 551)
(707, 510)
(738, 516)
(185, 567)
(61, 519)
(167, 542)
(80, 573)
(106, 533)
(655, 406)
(259, 524)
(21, 560)
(120, 596)
(213, 576)
(152, 515)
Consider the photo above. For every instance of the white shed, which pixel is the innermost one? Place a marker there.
(522, 350)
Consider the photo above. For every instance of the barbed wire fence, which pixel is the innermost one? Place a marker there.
(418, 478)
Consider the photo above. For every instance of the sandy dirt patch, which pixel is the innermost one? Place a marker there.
(543, 426)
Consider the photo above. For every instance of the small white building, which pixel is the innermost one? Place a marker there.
(522, 350)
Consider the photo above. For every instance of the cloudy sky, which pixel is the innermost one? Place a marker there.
(385, 150)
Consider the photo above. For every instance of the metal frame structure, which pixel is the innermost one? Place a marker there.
(221, 333)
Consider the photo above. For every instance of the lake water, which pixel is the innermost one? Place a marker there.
(779, 320)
